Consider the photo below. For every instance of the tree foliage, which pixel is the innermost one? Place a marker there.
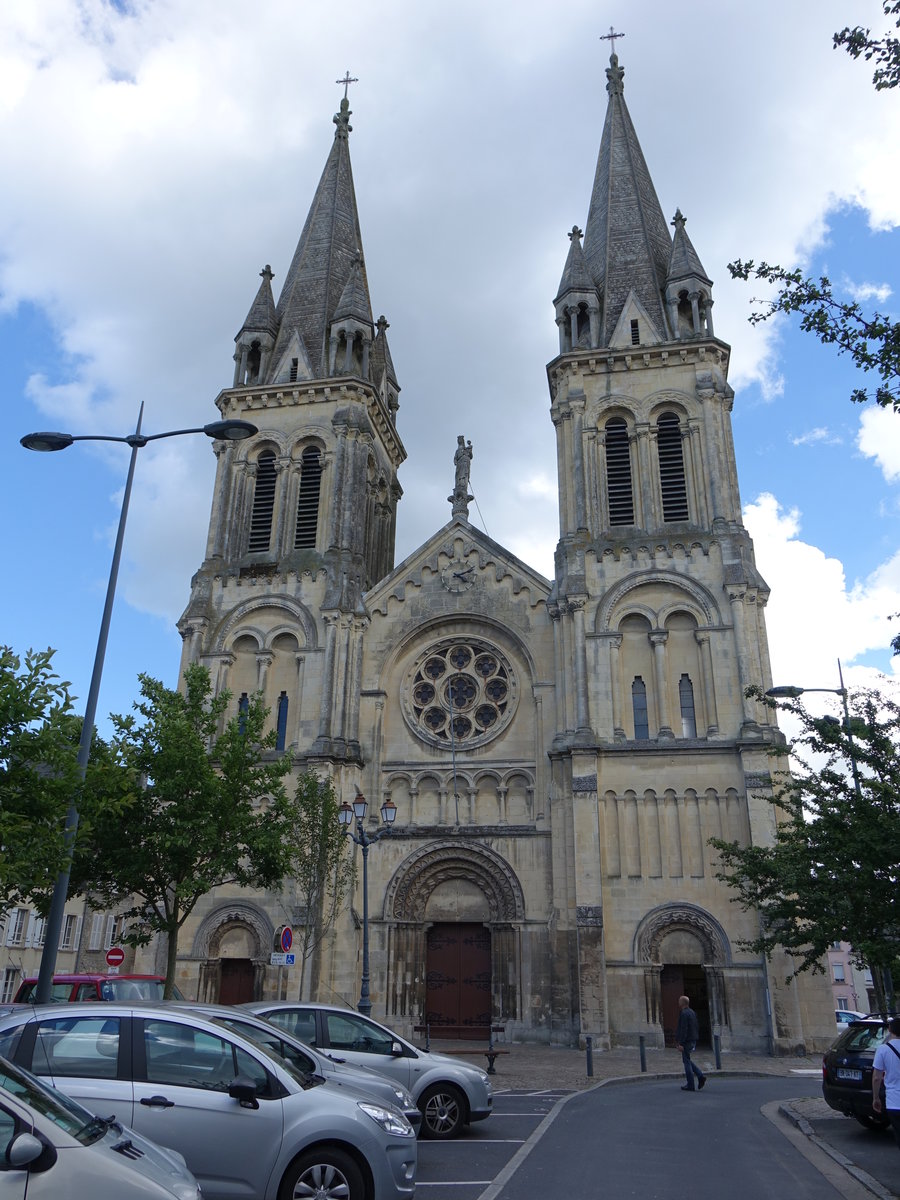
(207, 808)
(872, 340)
(322, 871)
(884, 50)
(833, 869)
(38, 746)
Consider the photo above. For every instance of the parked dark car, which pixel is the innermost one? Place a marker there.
(847, 1072)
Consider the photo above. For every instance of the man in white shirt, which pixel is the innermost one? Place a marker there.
(887, 1068)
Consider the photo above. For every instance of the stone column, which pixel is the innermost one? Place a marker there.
(709, 681)
(658, 639)
(298, 725)
(736, 600)
(577, 406)
(615, 645)
(582, 714)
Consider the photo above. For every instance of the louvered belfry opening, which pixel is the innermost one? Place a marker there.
(308, 499)
(619, 493)
(263, 502)
(672, 483)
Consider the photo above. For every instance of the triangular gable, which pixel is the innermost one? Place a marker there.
(294, 349)
(634, 311)
(457, 538)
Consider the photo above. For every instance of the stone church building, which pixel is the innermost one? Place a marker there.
(559, 751)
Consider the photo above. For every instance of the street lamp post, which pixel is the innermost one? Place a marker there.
(788, 692)
(347, 814)
(233, 431)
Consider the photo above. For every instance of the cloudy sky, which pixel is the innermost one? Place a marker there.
(157, 153)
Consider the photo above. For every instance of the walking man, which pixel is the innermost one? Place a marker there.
(887, 1068)
(687, 1034)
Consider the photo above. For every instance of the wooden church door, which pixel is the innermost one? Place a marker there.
(458, 981)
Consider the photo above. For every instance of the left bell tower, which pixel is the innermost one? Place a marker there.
(304, 514)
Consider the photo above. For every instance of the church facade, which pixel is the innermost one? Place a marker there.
(559, 751)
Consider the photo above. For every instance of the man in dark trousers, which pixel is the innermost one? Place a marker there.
(687, 1034)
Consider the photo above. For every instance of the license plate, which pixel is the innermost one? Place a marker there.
(848, 1073)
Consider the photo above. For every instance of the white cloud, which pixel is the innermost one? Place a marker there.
(154, 161)
(862, 292)
(879, 438)
(813, 616)
(818, 436)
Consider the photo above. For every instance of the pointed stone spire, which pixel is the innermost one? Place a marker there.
(326, 256)
(382, 370)
(577, 302)
(256, 337)
(575, 276)
(685, 262)
(626, 243)
(688, 287)
(354, 301)
(261, 317)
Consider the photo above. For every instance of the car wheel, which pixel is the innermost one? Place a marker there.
(871, 1121)
(443, 1111)
(324, 1174)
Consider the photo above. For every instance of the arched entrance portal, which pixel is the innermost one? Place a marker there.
(457, 907)
(683, 950)
(231, 944)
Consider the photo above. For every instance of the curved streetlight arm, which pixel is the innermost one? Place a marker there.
(229, 430)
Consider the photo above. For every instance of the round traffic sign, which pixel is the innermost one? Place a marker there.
(115, 956)
(287, 938)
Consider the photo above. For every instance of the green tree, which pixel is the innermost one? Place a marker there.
(833, 870)
(38, 745)
(885, 50)
(872, 340)
(322, 871)
(208, 808)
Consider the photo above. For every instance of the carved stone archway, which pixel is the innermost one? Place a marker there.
(715, 956)
(405, 905)
(234, 920)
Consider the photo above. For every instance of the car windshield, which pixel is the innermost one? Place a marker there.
(863, 1037)
(259, 1040)
(126, 990)
(56, 1107)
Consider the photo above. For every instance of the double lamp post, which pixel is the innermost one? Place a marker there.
(229, 431)
(347, 814)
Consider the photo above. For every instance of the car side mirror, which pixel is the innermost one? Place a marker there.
(397, 1049)
(26, 1151)
(243, 1090)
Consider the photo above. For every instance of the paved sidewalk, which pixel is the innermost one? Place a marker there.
(539, 1067)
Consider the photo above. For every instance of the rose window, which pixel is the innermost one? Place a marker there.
(460, 691)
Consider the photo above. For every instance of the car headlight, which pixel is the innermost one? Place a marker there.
(390, 1121)
(404, 1098)
(485, 1079)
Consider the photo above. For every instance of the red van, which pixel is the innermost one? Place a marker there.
(122, 988)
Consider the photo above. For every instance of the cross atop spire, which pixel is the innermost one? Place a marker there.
(348, 79)
(608, 37)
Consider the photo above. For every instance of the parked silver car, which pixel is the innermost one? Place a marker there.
(449, 1093)
(313, 1062)
(53, 1149)
(247, 1123)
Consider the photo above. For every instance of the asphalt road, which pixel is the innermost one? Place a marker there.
(647, 1140)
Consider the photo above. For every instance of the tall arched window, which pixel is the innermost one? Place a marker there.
(672, 483)
(686, 702)
(263, 502)
(281, 721)
(619, 494)
(639, 707)
(308, 499)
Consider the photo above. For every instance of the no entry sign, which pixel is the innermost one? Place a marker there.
(115, 956)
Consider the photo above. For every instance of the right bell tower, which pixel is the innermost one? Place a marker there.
(658, 610)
